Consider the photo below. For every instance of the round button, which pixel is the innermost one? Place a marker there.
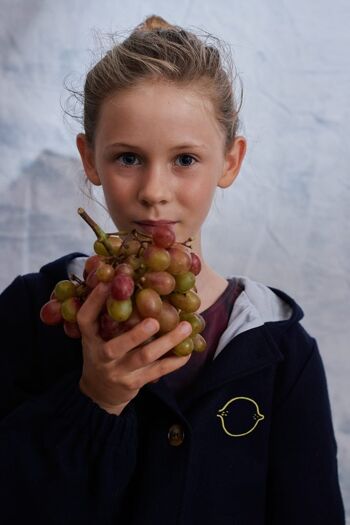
(176, 435)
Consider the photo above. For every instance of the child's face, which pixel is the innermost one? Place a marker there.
(159, 155)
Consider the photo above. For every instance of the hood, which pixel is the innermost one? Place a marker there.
(257, 305)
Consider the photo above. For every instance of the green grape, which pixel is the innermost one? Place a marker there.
(199, 343)
(184, 282)
(69, 309)
(156, 259)
(65, 289)
(184, 348)
(188, 302)
(196, 320)
(119, 310)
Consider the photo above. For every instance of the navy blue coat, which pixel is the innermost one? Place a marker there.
(255, 443)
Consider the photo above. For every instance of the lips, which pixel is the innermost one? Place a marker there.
(149, 226)
(156, 223)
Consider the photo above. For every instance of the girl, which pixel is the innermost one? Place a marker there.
(99, 432)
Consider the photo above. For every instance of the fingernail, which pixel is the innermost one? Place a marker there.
(150, 325)
(185, 327)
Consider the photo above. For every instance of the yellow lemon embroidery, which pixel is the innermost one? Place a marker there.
(242, 415)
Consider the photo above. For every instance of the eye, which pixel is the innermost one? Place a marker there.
(127, 159)
(186, 160)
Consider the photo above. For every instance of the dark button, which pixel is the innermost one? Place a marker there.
(176, 435)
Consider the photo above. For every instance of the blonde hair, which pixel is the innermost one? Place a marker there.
(156, 49)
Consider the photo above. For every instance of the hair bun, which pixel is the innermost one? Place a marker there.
(153, 23)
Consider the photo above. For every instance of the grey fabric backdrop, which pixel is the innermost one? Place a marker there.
(285, 221)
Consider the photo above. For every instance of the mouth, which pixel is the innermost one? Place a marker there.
(150, 226)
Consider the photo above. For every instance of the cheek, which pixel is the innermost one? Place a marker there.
(116, 194)
(200, 194)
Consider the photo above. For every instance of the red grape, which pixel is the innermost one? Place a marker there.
(180, 261)
(122, 287)
(72, 330)
(161, 282)
(196, 265)
(163, 236)
(50, 312)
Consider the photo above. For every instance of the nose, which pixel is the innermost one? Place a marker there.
(155, 187)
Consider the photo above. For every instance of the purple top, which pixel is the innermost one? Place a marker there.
(216, 318)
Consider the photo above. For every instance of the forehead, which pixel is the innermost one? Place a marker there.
(160, 109)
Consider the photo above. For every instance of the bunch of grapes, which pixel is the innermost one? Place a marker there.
(149, 276)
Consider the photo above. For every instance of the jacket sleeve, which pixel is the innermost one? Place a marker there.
(63, 460)
(303, 479)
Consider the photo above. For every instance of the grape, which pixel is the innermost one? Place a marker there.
(115, 244)
(100, 248)
(109, 328)
(168, 318)
(124, 268)
(92, 280)
(163, 236)
(72, 330)
(105, 273)
(64, 289)
(148, 302)
(149, 276)
(180, 261)
(196, 265)
(188, 302)
(196, 320)
(161, 282)
(50, 312)
(82, 291)
(122, 287)
(130, 247)
(184, 348)
(199, 343)
(92, 263)
(157, 259)
(132, 321)
(119, 310)
(184, 281)
(134, 261)
(70, 308)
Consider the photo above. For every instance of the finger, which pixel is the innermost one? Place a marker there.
(147, 354)
(116, 348)
(163, 367)
(88, 314)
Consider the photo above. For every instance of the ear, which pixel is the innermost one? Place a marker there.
(233, 161)
(87, 157)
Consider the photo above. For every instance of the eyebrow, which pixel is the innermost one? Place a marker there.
(180, 146)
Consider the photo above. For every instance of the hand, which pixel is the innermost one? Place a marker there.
(114, 371)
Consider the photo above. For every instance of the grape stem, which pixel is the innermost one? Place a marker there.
(100, 234)
(76, 278)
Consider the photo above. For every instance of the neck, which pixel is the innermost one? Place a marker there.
(210, 285)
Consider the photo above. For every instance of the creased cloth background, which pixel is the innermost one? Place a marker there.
(284, 222)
